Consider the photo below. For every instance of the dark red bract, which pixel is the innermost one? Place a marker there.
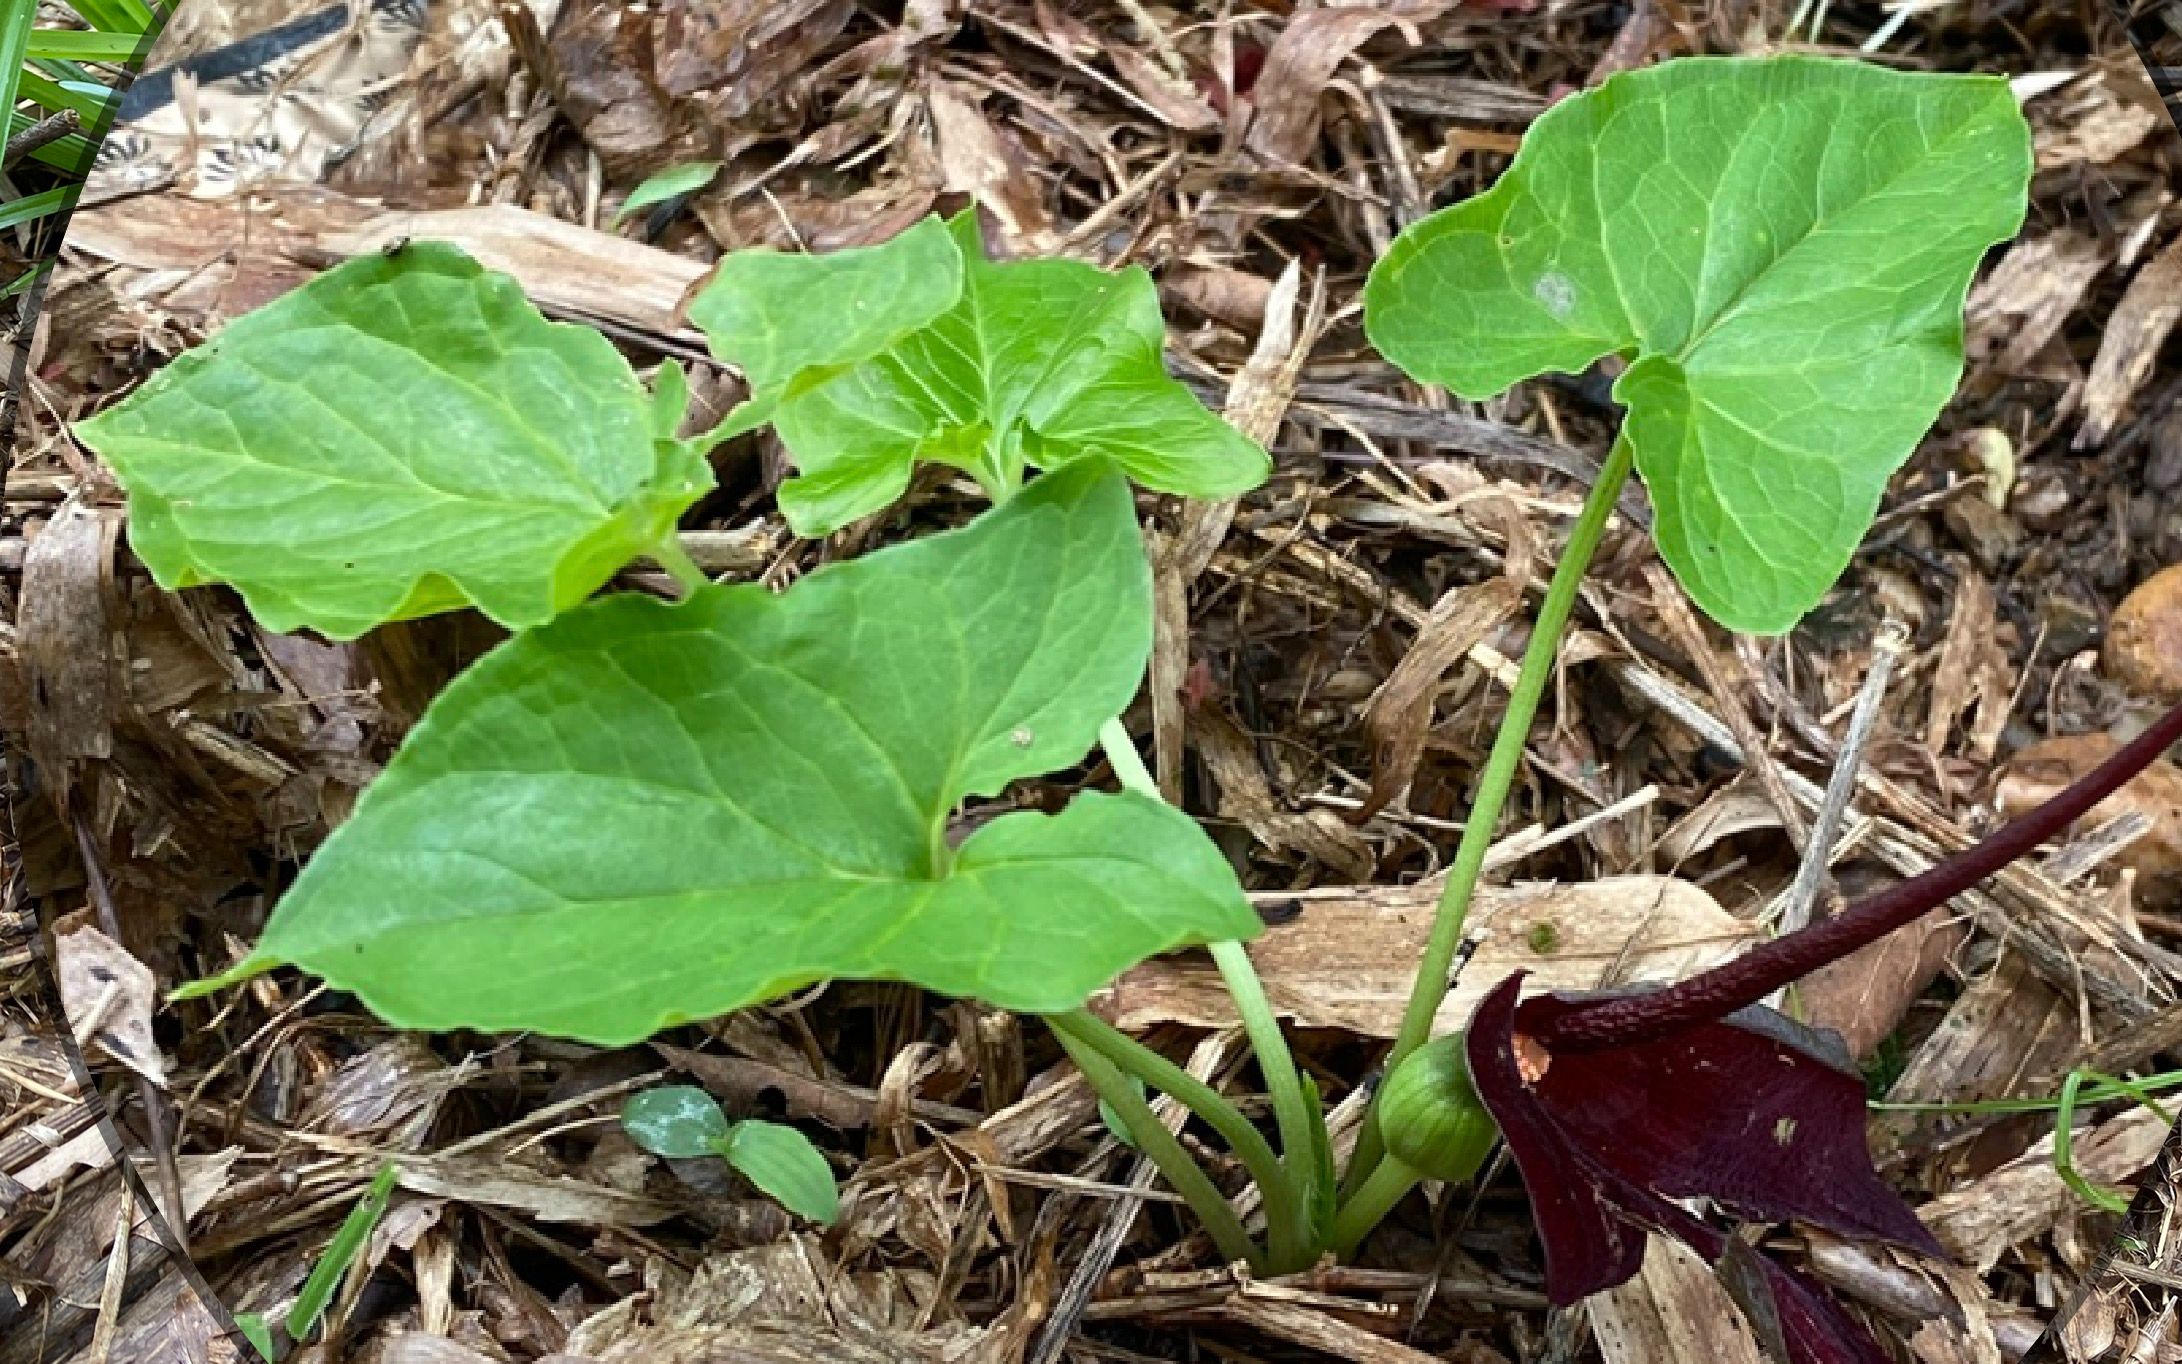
(1750, 1113)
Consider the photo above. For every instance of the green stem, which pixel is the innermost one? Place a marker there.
(1430, 988)
(670, 555)
(1283, 1082)
(1284, 1209)
(1166, 1151)
(1386, 1186)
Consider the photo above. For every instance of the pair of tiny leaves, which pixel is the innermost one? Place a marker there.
(1780, 247)
(645, 813)
(681, 1122)
(406, 434)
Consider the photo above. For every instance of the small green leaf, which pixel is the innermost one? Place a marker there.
(785, 1166)
(1782, 246)
(646, 813)
(1032, 363)
(680, 1122)
(401, 436)
(260, 1335)
(667, 184)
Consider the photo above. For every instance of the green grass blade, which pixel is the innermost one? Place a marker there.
(17, 19)
(84, 45)
(43, 204)
(341, 1252)
(117, 16)
(54, 96)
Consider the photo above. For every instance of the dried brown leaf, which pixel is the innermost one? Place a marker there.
(1303, 59)
(2135, 332)
(63, 641)
(109, 997)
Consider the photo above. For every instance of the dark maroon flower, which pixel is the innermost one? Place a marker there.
(1614, 1106)
(1741, 1112)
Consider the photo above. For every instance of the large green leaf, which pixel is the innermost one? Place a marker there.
(403, 435)
(1033, 363)
(1781, 245)
(645, 813)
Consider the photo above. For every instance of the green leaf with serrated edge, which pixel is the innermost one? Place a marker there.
(786, 1167)
(1782, 246)
(646, 813)
(681, 1122)
(405, 434)
(1036, 363)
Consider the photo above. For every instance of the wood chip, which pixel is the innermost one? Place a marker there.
(1346, 957)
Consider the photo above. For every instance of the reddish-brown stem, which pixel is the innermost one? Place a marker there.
(1771, 966)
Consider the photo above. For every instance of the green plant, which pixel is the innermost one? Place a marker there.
(682, 1122)
(325, 1276)
(57, 86)
(778, 779)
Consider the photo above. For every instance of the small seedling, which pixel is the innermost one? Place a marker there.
(637, 813)
(325, 1277)
(672, 184)
(681, 1122)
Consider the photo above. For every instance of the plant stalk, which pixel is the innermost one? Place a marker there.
(1284, 1205)
(1769, 966)
(1166, 1151)
(671, 556)
(1501, 766)
(1283, 1083)
(1386, 1186)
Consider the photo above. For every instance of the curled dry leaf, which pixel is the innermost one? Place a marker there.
(1399, 715)
(109, 997)
(1342, 958)
(1248, 797)
(2046, 767)
(1303, 60)
(2143, 649)
(978, 162)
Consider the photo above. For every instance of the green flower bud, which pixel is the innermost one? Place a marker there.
(1431, 1118)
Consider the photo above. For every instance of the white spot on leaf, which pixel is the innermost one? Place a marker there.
(1556, 292)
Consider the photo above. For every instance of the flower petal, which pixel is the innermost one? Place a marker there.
(1749, 1112)
(1589, 1244)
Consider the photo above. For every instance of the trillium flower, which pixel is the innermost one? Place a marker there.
(1617, 1107)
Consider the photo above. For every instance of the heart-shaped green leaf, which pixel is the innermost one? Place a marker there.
(1782, 245)
(786, 1167)
(645, 813)
(403, 435)
(680, 1122)
(1034, 363)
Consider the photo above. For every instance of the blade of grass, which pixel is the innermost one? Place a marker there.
(52, 94)
(82, 45)
(17, 19)
(117, 16)
(341, 1252)
(45, 203)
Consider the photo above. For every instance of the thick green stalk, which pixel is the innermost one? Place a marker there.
(1283, 1082)
(1501, 766)
(1387, 1185)
(1284, 1208)
(1166, 1151)
(670, 555)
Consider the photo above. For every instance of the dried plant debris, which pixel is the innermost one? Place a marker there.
(1331, 656)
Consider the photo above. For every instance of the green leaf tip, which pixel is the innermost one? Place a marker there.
(922, 350)
(645, 813)
(1781, 245)
(403, 435)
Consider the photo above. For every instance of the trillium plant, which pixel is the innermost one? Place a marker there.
(636, 812)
